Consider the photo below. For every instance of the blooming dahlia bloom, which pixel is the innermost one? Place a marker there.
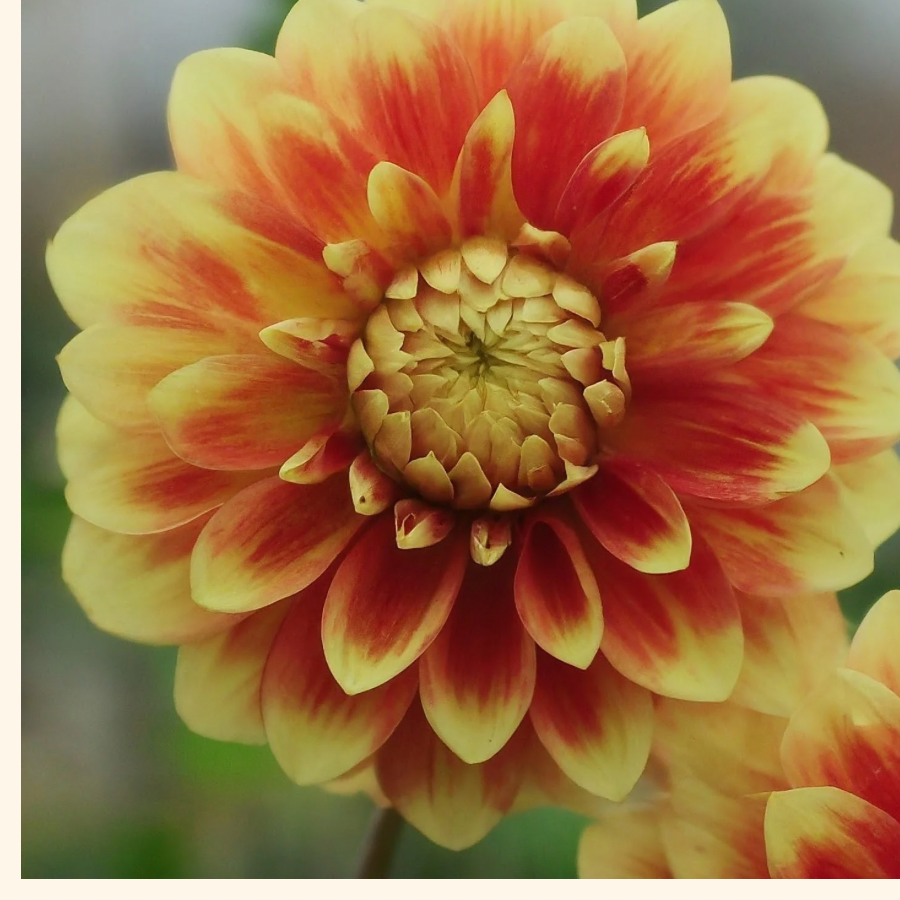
(755, 794)
(473, 361)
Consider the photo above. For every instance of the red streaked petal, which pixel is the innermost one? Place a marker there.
(244, 412)
(790, 645)
(136, 485)
(595, 723)
(556, 593)
(823, 832)
(840, 382)
(167, 249)
(679, 69)
(847, 735)
(482, 181)
(453, 803)
(603, 176)
(874, 648)
(386, 605)
(408, 210)
(809, 541)
(316, 731)
(402, 64)
(217, 681)
(720, 441)
(270, 541)
(477, 678)
(138, 587)
(679, 634)
(113, 368)
(625, 843)
(567, 95)
(689, 339)
(636, 516)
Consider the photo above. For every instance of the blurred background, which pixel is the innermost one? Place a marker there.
(113, 785)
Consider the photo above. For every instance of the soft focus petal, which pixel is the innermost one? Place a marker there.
(270, 541)
(636, 516)
(451, 802)
(217, 681)
(871, 489)
(679, 634)
(595, 723)
(244, 411)
(138, 587)
(556, 593)
(791, 644)
(623, 844)
(79, 437)
(847, 735)
(827, 833)
(806, 542)
(567, 95)
(386, 605)
(874, 648)
(315, 730)
(477, 678)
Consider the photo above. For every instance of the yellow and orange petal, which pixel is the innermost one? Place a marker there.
(485, 369)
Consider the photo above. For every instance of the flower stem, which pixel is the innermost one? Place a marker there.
(380, 843)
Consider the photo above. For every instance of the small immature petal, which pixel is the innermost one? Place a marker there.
(824, 832)
(217, 681)
(596, 724)
(453, 803)
(420, 525)
(372, 491)
(321, 457)
(477, 678)
(556, 593)
(270, 541)
(386, 605)
(636, 516)
(316, 731)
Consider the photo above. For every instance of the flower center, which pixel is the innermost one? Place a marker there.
(482, 380)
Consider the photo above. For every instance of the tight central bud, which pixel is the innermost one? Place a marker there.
(482, 380)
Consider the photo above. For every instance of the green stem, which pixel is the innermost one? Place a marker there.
(380, 843)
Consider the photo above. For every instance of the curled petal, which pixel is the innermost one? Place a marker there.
(556, 593)
(636, 516)
(477, 678)
(270, 541)
(386, 605)
(316, 731)
(595, 723)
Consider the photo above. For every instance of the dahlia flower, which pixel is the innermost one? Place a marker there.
(753, 794)
(475, 360)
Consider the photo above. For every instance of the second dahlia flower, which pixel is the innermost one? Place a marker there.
(752, 794)
(475, 362)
